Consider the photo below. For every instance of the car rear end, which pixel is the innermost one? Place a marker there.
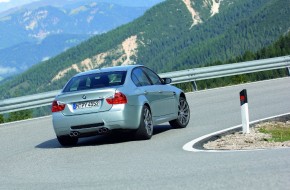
(94, 103)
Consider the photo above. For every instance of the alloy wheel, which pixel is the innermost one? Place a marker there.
(183, 112)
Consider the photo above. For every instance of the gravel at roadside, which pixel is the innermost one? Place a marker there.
(253, 140)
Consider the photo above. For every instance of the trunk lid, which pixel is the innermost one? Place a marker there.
(86, 101)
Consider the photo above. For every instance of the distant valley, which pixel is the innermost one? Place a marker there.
(39, 31)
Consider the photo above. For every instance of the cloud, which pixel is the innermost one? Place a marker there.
(7, 70)
(4, 1)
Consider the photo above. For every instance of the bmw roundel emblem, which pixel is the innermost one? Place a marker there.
(84, 97)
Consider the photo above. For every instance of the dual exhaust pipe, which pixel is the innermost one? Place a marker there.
(74, 134)
(103, 130)
(99, 131)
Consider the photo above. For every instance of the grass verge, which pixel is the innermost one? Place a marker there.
(280, 131)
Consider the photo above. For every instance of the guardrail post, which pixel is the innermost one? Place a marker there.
(194, 86)
(244, 111)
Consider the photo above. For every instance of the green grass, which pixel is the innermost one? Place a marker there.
(279, 131)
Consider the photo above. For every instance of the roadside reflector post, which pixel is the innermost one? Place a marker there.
(288, 68)
(194, 86)
(245, 111)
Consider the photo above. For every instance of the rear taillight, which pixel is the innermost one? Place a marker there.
(56, 106)
(118, 98)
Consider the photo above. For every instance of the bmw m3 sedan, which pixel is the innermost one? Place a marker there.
(130, 98)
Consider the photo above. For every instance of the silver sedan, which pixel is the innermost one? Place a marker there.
(125, 97)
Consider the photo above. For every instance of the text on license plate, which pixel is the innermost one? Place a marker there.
(89, 104)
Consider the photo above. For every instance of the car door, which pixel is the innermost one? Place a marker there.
(146, 88)
(165, 98)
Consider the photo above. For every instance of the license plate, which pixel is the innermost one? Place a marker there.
(88, 104)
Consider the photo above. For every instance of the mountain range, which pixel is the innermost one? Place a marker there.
(40, 30)
(8, 6)
(173, 35)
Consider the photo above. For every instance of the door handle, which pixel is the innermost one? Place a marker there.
(160, 91)
(145, 92)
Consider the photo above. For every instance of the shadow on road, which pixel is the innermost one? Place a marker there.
(113, 138)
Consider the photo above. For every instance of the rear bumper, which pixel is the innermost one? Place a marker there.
(119, 117)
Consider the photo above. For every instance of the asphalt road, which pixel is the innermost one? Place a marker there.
(31, 158)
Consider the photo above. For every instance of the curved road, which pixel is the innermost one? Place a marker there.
(31, 158)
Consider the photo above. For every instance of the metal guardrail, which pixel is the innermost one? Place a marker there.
(228, 69)
(27, 102)
(190, 75)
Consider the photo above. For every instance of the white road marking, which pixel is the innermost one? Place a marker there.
(189, 146)
(32, 119)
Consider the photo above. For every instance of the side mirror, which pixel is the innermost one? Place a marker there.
(167, 80)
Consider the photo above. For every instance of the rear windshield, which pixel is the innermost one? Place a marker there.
(97, 80)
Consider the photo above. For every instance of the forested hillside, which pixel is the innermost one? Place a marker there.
(280, 48)
(166, 38)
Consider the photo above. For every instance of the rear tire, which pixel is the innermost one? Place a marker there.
(183, 115)
(145, 130)
(67, 141)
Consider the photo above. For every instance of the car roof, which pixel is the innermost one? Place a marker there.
(109, 69)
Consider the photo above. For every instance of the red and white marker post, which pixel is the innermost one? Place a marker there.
(245, 111)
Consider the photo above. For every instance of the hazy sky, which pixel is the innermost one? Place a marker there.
(7, 4)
